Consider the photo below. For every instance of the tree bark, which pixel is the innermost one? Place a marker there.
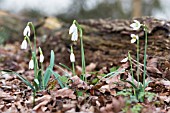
(137, 8)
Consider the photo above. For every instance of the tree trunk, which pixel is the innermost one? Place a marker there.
(137, 8)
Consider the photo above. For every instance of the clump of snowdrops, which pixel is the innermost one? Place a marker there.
(41, 77)
(139, 88)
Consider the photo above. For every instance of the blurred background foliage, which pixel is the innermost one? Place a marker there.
(115, 9)
(67, 10)
(84, 9)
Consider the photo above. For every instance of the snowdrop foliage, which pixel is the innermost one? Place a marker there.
(31, 64)
(24, 44)
(136, 25)
(134, 38)
(74, 31)
(72, 57)
(27, 31)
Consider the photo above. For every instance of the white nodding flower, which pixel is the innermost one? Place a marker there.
(74, 31)
(24, 44)
(74, 36)
(41, 57)
(124, 60)
(134, 38)
(36, 81)
(27, 31)
(31, 64)
(136, 25)
(72, 57)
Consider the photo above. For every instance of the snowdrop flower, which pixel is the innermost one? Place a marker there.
(134, 38)
(124, 60)
(72, 57)
(136, 25)
(24, 44)
(27, 31)
(73, 30)
(41, 55)
(36, 81)
(74, 36)
(41, 58)
(31, 64)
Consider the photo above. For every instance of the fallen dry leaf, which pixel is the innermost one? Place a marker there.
(78, 83)
(65, 93)
(42, 101)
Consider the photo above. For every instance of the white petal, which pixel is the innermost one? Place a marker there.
(124, 60)
(27, 31)
(72, 29)
(133, 25)
(136, 21)
(31, 64)
(41, 58)
(74, 36)
(136, 25)
(72, 57)
(36, 81)
(24, 44)
(137, 37)
(132, 35)
(133, 40)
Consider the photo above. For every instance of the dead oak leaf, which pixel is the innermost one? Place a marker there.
(107, 88)
(152, 66)
(42, 101)
(65, 93)
(78, 83)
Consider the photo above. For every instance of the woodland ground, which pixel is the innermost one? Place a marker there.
(106, 43)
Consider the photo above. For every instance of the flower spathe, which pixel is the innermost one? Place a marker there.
(27, 31)
(24, 44)
(41, 58)
(72, 57)
(134, 38)
(31, 64)
(74, 31)
(136, 25)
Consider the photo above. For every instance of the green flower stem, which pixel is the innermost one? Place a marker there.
(138, 61)
(131, 68)
(73, 67)
(29, 42)
(33, 28)
(82, 50)
(34, 94)
(146, 40)
(34, 53)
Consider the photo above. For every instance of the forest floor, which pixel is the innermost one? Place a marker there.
(100, 94)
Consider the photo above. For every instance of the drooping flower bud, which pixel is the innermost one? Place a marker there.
(31, 64)
(27, 31)
(74, 31)
(24, 44)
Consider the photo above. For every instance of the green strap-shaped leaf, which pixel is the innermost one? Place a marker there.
(133, 85)
(20, 77)
(65, 67)
(46, 78)
(57, 76)
(52, 59)
(48, 73)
